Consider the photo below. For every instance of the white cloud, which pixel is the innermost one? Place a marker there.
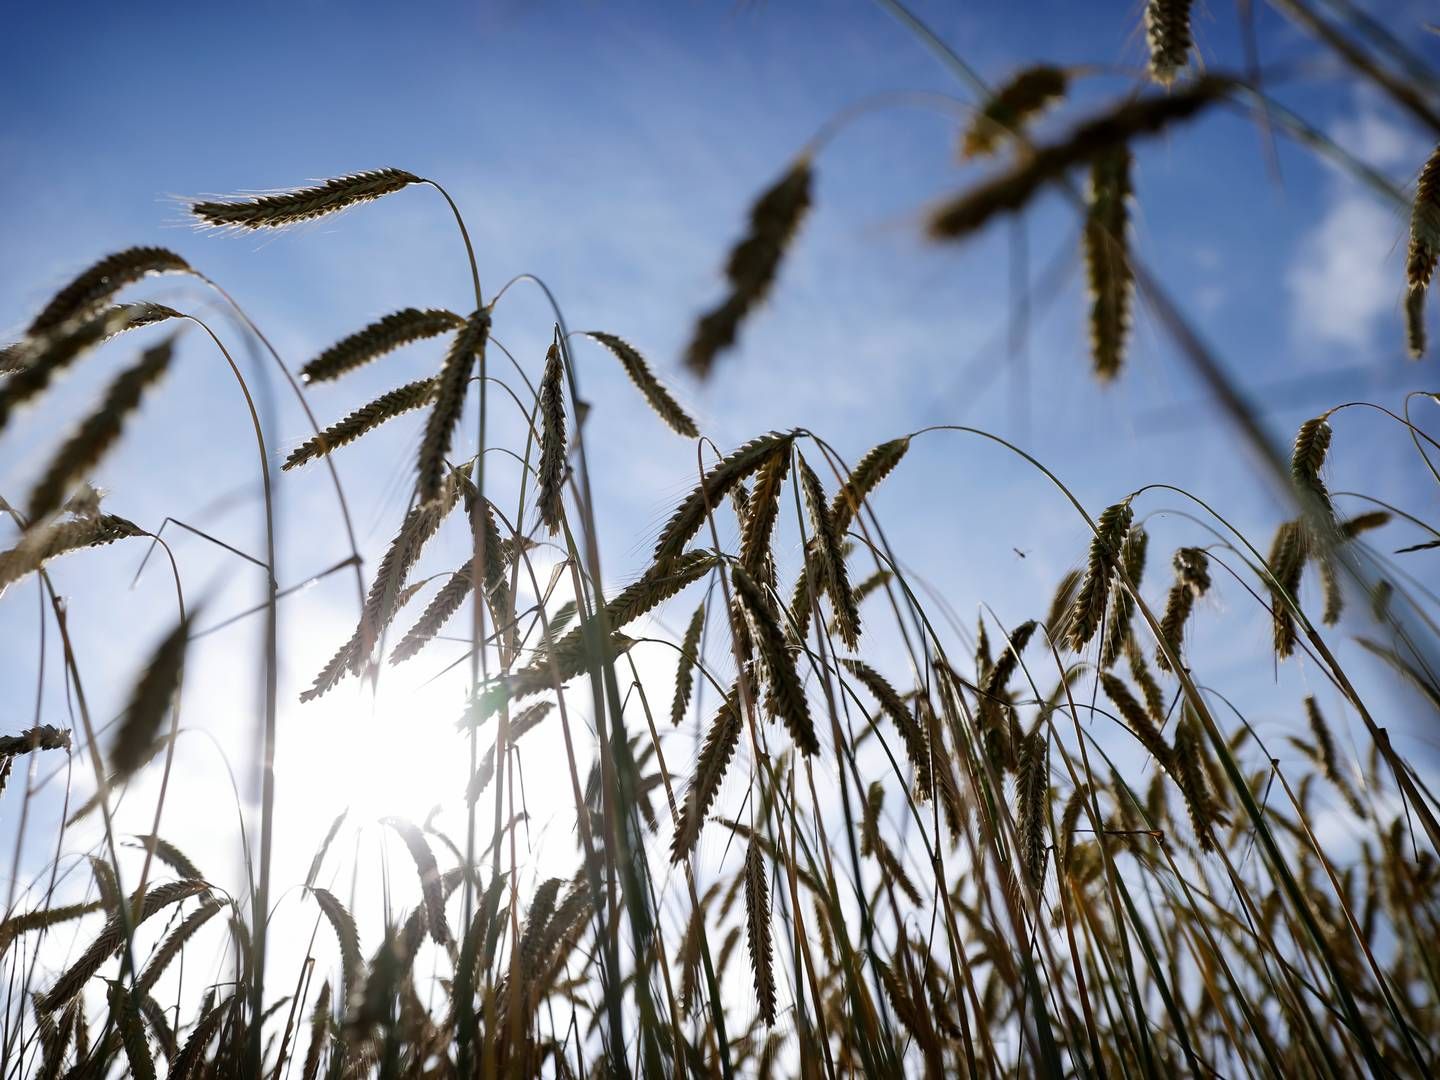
(1341, 279)
(1374, 139)
(1345, 275)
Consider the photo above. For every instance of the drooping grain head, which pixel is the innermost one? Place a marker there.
(93, 288)
(1107, 259)
(1425, 225)
(1167, 29)
(753, 263)
(302, 204)
(1027, 94)
(383, 336)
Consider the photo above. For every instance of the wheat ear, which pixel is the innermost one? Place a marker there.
(111, 938)
(1013, 189)
(93, 288)
(383, 336)
(552, 441)
(362, 421)
(51, 541)
(1425, 225)
(1089, 606)
(715, 754)
(1167, 29)
(135, 738)
(787, 693)
(829, 558)
(1107, 259)
(42, 737)
(1289, 552)
(689, 516)
(429, 873)
(665, 406)
(1122, 601)
(302, 204)
(1033, 789)
(450, 385)
(757, 922)
(100, 430)
(35, 362)
(751, 269)
(689, 661)
(917, 746)
(1024, 97)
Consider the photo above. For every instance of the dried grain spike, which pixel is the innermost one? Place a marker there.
(1425, 225)
(189, 1059)
(140, 725)
(1024, 97)
(1122, 600)
(1069, 820)
(763, 509)
(1288, 555)
(383, 336)
(1014, 188)
(552, 441)
(35, 362)
(1192, 579)
(993, 711)
(877, 464)
(1330, 586)
(382, 601)
(124, 1013)
(751, 268)
(1107, 259)
(436, 614)
(42, 918)
(170, 948)
(917, 746)
(450, 387)
(429, 872)
(1328, 758)
(302, 204)
(1057, 619)
(665, 406)
(1138, 719)
(352, 960)
(1414, 322)
(787, 694)
(655, 586)
(1189, 772)
(757, 923)
(1140, 672)
(43, 737)
(93, 288)
(100, 430)
(362, 421)
(1167, 29)
(1032, 793)
(61, 538)
(689, 660)
(829, 558)
(1312, 444)
(169, 854)
(111, 938)
(715, 755)
(319, 1032)
(1089, 607)
(1362, 523)
(689, 516)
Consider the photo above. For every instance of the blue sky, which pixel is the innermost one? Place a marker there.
(613, 149)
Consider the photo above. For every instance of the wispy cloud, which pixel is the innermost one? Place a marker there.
(1345, 275)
